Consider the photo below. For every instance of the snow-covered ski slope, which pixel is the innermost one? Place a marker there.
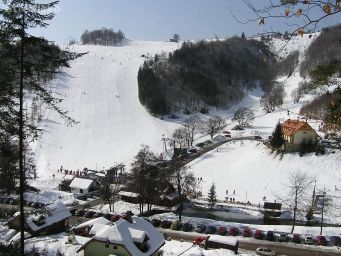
(101, 93)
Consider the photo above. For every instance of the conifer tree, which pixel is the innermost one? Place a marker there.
(212, 196)
(277, 139)
(30, 62)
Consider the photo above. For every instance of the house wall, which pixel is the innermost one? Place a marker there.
(293, 142)
(76, 190)
(96, 248)
(307, 135)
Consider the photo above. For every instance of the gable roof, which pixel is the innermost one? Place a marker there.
(81, 183)
(290, 127)
(53, 214)
(90, 223)
(125, 233)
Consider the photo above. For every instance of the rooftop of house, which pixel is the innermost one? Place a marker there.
(127, 234)
(52, 214)
(290, 127)
(128, 194)
(81, 183)
(90, 223)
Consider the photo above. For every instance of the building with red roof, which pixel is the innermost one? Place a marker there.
(295, 132)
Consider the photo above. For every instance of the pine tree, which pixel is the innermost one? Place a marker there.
(31, 61)
(212, 196)
(277, 139)
(243, 36)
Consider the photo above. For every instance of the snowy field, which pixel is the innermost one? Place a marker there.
(101, 93)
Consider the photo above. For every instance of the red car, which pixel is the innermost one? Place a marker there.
(199, 240)
(321, 240)
(222, 231)
(247, 232)
(233, 231)
(259, 234)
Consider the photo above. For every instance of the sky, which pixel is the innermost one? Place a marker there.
(157, 20)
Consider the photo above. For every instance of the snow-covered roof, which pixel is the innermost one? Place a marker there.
(96, 228)
(223, 239)
(128, 194)
(126, 233)
(90, 223)
(81, 183)
(54, 213)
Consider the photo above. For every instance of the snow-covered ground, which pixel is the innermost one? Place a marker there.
(101, 93)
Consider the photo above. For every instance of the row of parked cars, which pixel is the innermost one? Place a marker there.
(247, 232)
(14, 201)
(96, 214)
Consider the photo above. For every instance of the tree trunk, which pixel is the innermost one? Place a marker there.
(21, 139)
(180, 195)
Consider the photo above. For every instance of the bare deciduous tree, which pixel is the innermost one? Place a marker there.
(300, 15)
(192, 125)
(214, 125)
(273, 98)
(243, 116)
(297, 197)
(181, 138)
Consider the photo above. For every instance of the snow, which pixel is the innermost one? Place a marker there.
(80, 183)
(126, 233)
(223, 239)
(100, 92)
(128, 194)
(55, 213)
(89, 223)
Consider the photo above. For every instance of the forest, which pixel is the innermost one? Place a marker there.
(204, 74)
(323, 65)
(104, 36)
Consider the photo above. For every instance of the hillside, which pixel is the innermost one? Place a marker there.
(100, 92)
(204, 74)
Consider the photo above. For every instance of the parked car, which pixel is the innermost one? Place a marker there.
(193, 150)
(155, 222)
(89, 214)
(259, 234)
(257, 137)
(247, 232)
(226, 132)
(176, 225)
(200, 145)
(335, 240)
(296, 238)
(199, 240)
(263, 251)
(165, 224)
(282, 237)
(115, 217)
(321, 240)
(222, 231)
(309, 239)
(234, 231)
(270, 236)
(187, 227)
(200, 228)
(211, 229)
(227, 135)
(98, 214)
(107, 216)
(80, 213)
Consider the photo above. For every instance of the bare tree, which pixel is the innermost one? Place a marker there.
(214, 125)
(192, 125)
(296, 94)
(184, 182)
(300, 15)
(297, 197)
(273, 98)
(243, 116)
(181, 138)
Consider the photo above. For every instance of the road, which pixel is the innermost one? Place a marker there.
(288, 249)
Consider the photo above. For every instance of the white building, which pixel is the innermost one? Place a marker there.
(83, 186)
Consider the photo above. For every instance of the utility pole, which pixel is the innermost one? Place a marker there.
(313, 201)
(323, 200)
